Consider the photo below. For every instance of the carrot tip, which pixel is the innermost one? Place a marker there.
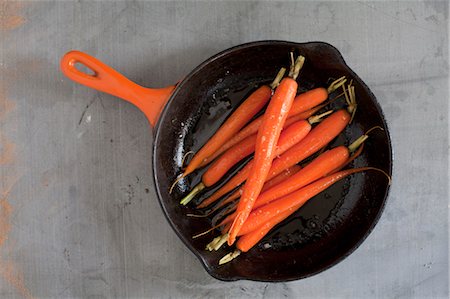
(197, 215)
(383, 172)
(317, 118)
(206, 232)
(373, 128)
(185, 156)
(179, 178)
(229, 257)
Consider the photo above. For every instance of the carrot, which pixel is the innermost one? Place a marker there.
(294, 132)
(295, 200)
(304, 102)
(319, 136)
(252, 129)
(262, 220)
(230, 158)
(267, 185)
(328, 162)
(252, 105)
(276, 180)
(288, 138)
(247, 241)
(319, 167)
(267, 139)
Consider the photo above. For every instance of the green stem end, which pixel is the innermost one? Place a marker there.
(192, 194)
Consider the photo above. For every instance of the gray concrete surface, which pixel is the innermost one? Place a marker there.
(81, 219)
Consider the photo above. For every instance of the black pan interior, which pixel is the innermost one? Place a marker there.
(331, 225)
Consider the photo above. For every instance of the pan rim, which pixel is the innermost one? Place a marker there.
(179, 87)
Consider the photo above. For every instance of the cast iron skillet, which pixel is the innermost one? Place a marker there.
(323, 232)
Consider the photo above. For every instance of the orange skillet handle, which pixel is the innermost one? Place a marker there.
(104, 78)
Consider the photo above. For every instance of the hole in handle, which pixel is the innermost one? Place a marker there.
(84, 69)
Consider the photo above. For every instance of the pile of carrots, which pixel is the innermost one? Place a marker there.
(272, 185)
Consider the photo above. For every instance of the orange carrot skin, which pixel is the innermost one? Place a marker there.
(252, 105)
(288, 138)
(231, 157)
(293, 201)
(248, 130)
(349, 160)
(304, 106)
(265, 149)
(319, 136)
(281, 177)
(308, 100)
(304, 115)
(247, 241)
(253, 128)
(318, 168)
(246, 147)
(269, 184)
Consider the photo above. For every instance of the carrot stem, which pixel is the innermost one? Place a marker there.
(192, 194)
(336, 84)
(352, 101)
(355, 144)
(229, 257)
(317, 118)
(373, 128)
(185, 156)
(211, 244)
(217, 242)
(179, 178)
(278, 78)
(296, 66)
(207, 231)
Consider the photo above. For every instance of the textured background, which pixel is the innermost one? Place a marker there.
(78, 213)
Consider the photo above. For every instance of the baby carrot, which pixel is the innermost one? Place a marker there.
(230, 158)
(326, 163)
(267, 139)
(290, 136)
(316, 169)
(262, 220)
(252, 105)
(319, 136)
(267, 185)
(276, 180)
(247, 241)
(252, 129)
(304, 102)
(295, 200)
